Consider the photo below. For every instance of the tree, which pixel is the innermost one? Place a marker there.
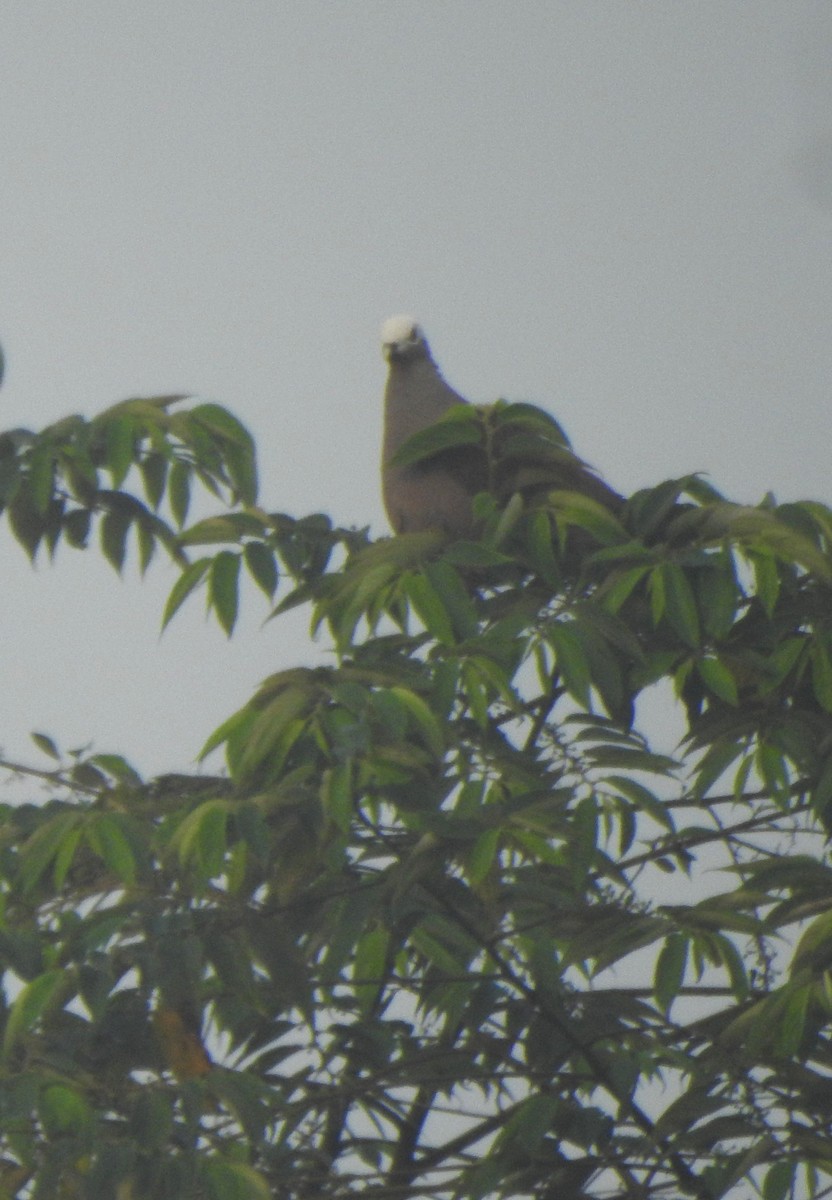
(417, 942)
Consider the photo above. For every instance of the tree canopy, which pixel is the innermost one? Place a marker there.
(450, 925)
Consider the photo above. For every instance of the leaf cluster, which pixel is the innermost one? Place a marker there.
(56, 484)
(451, 926)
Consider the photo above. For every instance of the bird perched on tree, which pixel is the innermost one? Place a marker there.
(436, 492)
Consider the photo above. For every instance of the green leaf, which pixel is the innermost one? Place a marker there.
(369, 962)
(680, 604)
(147, 545)
(246, 1097)
(459, 427)
(530, 417)
(481, 858)
(618, 589)
(179, 491)
(152, 1121)
(540, 539)
(63, 1110)
(474, 554)
(571, 660)
(429, 606)
(242, 471)
(214, 530)
(106, 837)
(46, 744)
(200, 840)
(27, 524)
(718, 594)
(76, 527)
(779, 1180)
(190, 578)
(424, 719)
(670, 969)
(821, 674)
(119, 444)
(233, 1181)
(118, 767)
(42, 475)
(236, 447)
(718, 679)
(456, 599)
(114, 529)
(279, 722)
(39, 850)
(337, 795)
(774, 769)
(658, 596)
(574, 508)
(647, 509)
(822, 791)
(223, 423)
(714, 764)
(262, 566)
(642, 798)
(793, 1023)
(476, 692)
(632, 759)
(154, 472)
(223, 585)
(584, 840)
(528, 1124)
(88, 777)
(815, 945)
(766, 580)
(29, 1006)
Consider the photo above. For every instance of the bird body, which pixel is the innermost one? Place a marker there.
(436, 493)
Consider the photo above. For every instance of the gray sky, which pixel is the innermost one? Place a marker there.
(620, 211)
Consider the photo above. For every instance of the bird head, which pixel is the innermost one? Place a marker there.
(402, 339)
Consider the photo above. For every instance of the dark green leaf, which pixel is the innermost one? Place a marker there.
(670, 969)
(76, 526)
(115, 526)
(459, 428)
(448, 584)
(679, 603)
(27, 525)
(223, 585)
(46, 744)
(42, 476)
(30, 1004)
(779, 1180)
(106, 837)
(718, 594)
(262, 566)
(154, 471)
(571, 660)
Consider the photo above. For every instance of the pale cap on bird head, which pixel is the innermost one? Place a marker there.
(402, 337)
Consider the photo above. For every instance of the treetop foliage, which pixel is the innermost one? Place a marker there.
(451, 925)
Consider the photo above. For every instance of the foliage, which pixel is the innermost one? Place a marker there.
(451, 926)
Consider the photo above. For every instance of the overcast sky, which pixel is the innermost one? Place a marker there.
(620, 211)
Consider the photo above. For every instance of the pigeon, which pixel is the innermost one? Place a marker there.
(437, 493)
